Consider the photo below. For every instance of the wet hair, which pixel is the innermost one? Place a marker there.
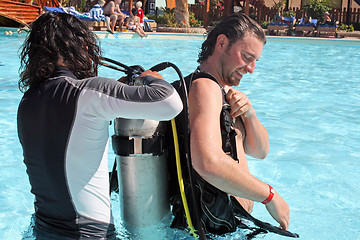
(54, 36)
(234, 27)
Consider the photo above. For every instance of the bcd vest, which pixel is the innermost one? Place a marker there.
(216, 208)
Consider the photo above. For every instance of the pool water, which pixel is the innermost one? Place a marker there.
(307, 94)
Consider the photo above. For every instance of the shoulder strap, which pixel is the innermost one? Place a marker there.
(201, 74)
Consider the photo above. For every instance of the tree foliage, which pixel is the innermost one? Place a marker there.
(279, 5)
(316, 8)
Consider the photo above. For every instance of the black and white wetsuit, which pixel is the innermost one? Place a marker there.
(63, 128)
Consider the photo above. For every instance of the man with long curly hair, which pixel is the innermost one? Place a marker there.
(63, 121)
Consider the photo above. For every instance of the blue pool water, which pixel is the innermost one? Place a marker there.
(307, 94)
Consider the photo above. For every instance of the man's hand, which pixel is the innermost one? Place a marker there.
(279, 210)
(151, 73)
(239, 102)
(256, 143)
(122, 79)
(142, 75)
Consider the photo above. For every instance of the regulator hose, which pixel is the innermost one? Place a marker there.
(180, 179)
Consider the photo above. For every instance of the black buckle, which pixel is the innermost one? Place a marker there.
(124, 146)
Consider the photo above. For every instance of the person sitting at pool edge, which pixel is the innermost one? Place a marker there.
(227, 118)
(112, 10)
(63, 121)
(97, 12)
(133, 24)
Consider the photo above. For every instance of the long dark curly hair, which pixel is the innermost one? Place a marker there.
(58, 37)
(234, 28)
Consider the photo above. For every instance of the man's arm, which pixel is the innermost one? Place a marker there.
(155, 100)
(112, 8)
(118, 10)
(209, 159)
(256, 142)
(211, 162)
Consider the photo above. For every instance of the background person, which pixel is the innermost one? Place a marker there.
(140, 12)
(97, 12)
(112, 10)
(327, 20)
(306, 19)
(133, 24)
(63, 121)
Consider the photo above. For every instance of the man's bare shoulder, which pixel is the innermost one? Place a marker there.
(205, 92)
(111, 4)
(205, 85)
(108, 7)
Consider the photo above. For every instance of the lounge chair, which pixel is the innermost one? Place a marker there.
(71, 10)
(323, 29)
(307, 28)
(94, 19)
(286, 24)
(151, 22)
(55, 9)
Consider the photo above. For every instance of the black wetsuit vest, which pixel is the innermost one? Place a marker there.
(216, 211)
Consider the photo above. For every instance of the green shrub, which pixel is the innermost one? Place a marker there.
(193, 21)
(264, 24)
(351, 28)
(81, 7)
(158, 19)
(347, 28)
(168, 18)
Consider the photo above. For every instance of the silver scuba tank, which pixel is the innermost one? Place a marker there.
(142, 171)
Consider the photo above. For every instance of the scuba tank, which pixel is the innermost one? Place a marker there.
(142, 165)
(142, 171)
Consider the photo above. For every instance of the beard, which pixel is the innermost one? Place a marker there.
(233, 79)
(230, 78)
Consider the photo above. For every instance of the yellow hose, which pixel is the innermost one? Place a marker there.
(181, 181)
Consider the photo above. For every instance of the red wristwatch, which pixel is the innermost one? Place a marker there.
(270, 197)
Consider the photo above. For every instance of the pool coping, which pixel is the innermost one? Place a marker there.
(152, 35)
(199, 36)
